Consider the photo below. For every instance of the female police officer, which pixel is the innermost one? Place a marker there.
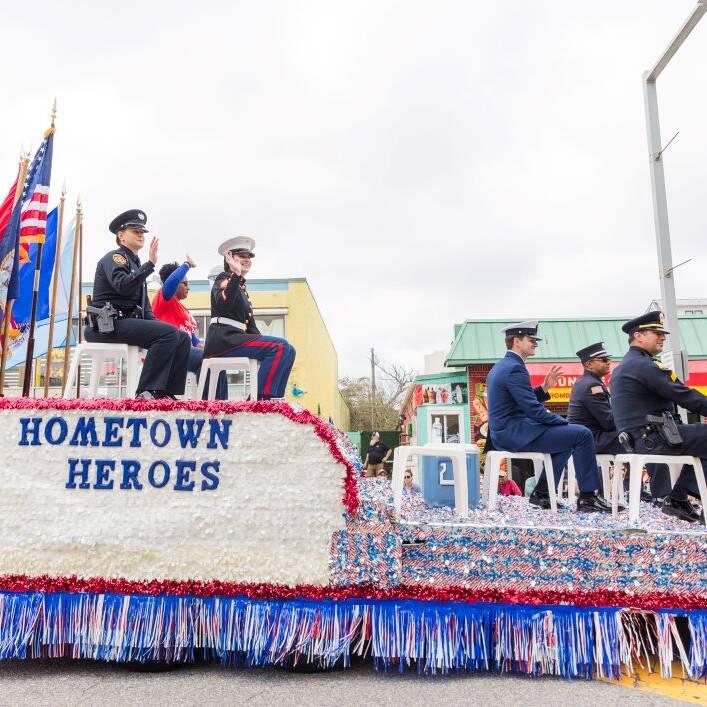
(233, 331)
(120, 282)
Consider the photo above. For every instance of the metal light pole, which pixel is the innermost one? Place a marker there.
(660, 202)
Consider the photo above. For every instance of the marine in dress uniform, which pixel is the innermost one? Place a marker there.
(642, 386)
(121, 281)
(233, 331)
(518, 422)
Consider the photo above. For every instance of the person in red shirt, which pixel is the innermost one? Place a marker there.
(506, 486)
(167, 306)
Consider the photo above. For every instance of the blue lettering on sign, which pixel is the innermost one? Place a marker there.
(137, 423)
(85, 430)
(113, 427)
(53, 422)
(216, 430)
(131, 469)
(183, 468)
(187, 433)
(103, 469)
(152, 474)
(210, 481)
(113, 431)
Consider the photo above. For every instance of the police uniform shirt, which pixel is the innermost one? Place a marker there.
(590, 404)
(229, 298)
(121, 279)
(376, 452)
(641, 386)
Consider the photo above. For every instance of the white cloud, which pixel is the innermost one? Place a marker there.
(419, 163)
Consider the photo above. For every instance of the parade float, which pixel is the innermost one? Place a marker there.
(141, 531)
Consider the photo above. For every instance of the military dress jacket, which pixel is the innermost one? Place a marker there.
(121, 279)
(590, 405)
(229, 298)
(641, 386)
(516, 416)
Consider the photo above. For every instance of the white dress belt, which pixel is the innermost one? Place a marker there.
(230, 322)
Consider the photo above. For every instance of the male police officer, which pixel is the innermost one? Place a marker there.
(641, 386)
(518, 422)
(590, 404)
(120, 282)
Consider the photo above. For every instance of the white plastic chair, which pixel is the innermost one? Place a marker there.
(99, 353)
(604, 462)
(214, 366)
(636, 463)
(456, 452)
(493, 466)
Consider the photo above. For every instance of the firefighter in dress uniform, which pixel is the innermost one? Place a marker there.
(233, 331)
(120, 296)
(643, 386)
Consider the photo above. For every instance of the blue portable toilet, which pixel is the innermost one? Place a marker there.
(437, 479)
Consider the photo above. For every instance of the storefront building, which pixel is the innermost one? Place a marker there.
(479, 343)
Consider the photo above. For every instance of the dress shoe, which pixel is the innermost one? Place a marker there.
(541, 500)
(592, 504)
(683, 509)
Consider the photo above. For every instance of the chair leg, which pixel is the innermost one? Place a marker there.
(571, 482)
(550, 478)
(605, 480)
(254, 365)
(491, 471)
(202, 379)
(400, 456)
(461, 490)
(213, 382)
(97, 360)
(634, 491)
(701, 485)
(615, 485)
(132, 364)
(70, 384)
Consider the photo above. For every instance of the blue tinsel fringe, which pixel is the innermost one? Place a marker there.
(428, 636)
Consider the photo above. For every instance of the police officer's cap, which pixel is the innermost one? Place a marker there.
(134, 218)
(651, 321)
(593, 351)
(522, 329)
(239, 244)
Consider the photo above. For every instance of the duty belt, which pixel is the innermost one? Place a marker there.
(230, 322)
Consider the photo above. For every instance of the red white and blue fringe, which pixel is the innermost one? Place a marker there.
(429, 637)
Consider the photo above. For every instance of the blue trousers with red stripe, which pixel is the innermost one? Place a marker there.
(276, 357)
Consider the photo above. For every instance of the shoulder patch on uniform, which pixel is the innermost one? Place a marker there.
(119, 259)
(596, 390)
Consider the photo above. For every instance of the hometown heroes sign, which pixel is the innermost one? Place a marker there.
(251, 497)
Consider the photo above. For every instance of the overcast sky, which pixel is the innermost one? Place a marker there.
(419, 163)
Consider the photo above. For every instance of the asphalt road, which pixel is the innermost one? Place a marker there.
(55, 683)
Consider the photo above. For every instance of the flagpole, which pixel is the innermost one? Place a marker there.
(72, 294)
(55, 278)
(7, 313)
(29, 358)
(79, 235)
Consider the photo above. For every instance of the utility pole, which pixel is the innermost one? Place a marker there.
(660, 202)
(373, 390)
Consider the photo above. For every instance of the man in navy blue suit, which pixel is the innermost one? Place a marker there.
(519, 423)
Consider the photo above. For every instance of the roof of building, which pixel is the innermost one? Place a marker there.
(481, 340)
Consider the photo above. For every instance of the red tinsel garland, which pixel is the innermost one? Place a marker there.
(597, 598)
(212, 407)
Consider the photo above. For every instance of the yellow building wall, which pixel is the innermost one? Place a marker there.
(316, 368)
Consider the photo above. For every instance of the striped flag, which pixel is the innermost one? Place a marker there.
(28, 222)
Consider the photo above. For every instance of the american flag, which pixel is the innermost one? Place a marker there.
(28, 221)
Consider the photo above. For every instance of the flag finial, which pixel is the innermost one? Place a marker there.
(63, 189)
(78, 202)
(50, 130)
